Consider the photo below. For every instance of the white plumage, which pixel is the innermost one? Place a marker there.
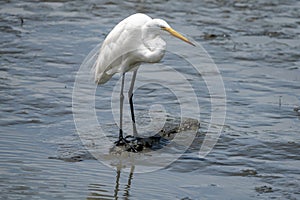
(135, 40)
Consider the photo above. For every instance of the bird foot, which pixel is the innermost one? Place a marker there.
(127, 141)
(137, 144)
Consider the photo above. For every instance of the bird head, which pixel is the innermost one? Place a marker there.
(164, 27)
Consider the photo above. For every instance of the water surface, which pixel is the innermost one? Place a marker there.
(255, 45)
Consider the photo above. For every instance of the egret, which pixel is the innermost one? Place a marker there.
(135, 40)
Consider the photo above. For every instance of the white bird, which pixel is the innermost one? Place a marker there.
(135, 40)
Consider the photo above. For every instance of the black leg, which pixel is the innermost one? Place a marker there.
(120, 134)
(121, 109)
(130, 96)
(131, 108)
(122, 140)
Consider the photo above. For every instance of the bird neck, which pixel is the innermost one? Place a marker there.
(152, 39)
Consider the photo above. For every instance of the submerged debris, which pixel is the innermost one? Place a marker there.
(264, 189)
(74, 158)
(297, 109)
(160, 139)
(173, 127)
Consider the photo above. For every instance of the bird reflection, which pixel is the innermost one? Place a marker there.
(100, 191)
(126, 193)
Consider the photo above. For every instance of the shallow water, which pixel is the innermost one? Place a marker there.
(256, 47)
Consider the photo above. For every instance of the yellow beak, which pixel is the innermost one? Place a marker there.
(178, 35)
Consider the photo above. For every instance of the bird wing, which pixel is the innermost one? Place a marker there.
(116, 51)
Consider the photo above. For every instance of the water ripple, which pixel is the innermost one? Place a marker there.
(256, 47)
